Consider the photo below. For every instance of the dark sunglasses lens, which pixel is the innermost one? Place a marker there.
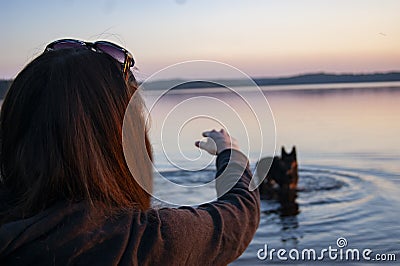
(65, 45)
(112, 50)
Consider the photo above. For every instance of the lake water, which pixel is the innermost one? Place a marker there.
(348, 149)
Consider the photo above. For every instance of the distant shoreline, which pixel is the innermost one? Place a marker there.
(317, 78)
(326, 88)
(306, 79)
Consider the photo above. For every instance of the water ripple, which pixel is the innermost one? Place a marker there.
(333, 201)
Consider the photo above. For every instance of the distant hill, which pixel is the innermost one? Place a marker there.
(316, 78)
(323, 78)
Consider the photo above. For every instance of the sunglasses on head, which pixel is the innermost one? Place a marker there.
(117, 52)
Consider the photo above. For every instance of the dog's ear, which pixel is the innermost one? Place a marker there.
(293, 152)
(283, 152)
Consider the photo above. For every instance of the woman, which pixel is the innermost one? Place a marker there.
(67, 195)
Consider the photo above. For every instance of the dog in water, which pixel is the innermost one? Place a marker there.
(280, 180)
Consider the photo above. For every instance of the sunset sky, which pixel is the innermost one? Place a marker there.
(261, 38)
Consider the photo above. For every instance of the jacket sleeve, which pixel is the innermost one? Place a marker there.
(215, 233)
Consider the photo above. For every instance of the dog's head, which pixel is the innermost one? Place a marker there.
(283, 170)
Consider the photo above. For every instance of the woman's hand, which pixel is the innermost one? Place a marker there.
(217, 141)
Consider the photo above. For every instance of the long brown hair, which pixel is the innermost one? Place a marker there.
(61, 135)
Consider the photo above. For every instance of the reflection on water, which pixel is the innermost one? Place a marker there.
(349, 166)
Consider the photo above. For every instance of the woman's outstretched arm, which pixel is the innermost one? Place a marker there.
(215, 233)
